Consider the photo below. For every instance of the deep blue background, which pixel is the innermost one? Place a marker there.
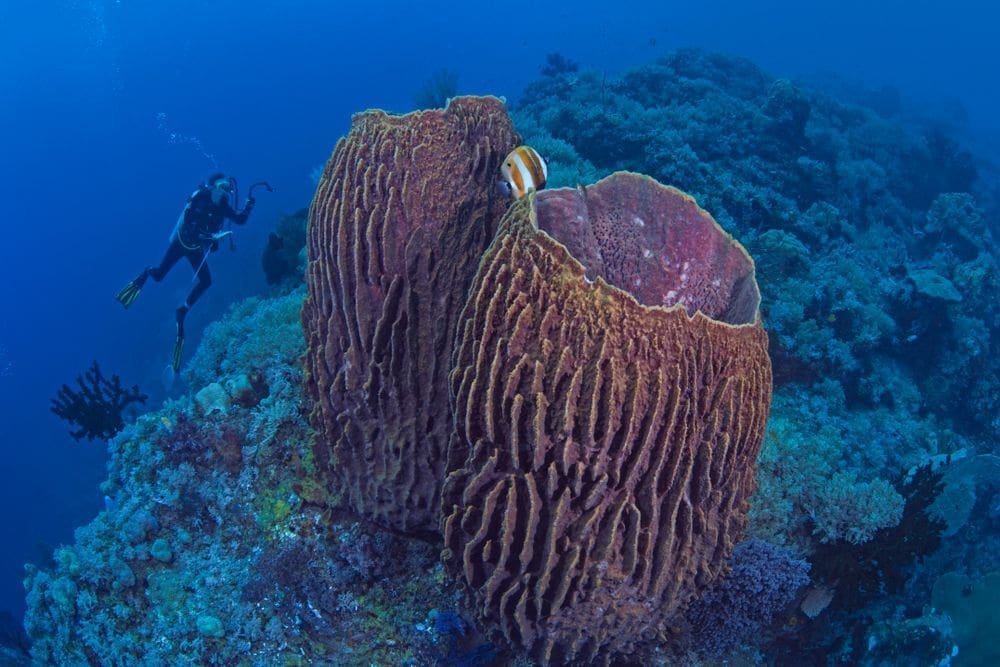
(91, 181)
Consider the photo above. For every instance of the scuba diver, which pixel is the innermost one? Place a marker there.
(197, 233)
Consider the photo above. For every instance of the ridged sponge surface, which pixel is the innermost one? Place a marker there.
(611, 386)
(404, 210)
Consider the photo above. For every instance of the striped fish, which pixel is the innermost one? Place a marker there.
(523, 170)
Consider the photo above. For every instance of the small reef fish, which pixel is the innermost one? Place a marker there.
(523, 170)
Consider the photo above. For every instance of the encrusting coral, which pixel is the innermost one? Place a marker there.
(402, 214)
(605, 444)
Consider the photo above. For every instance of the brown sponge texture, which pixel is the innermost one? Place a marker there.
(611, 386)
(404, 210)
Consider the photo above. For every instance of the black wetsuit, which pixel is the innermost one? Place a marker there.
(193, 239)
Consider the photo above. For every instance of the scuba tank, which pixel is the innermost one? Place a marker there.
(231, 197)
(180, 219)
(205, 188)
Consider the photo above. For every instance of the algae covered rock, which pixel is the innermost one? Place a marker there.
(974, 607)
(933, 285)
(161, 551)
(210, 626)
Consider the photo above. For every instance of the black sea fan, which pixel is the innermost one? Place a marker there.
(556, 64)
(438, 89)
(96, 406)
(881, 565)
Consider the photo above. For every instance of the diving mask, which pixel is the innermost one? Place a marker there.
(222, 189)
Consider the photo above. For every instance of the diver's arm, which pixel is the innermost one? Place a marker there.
(241, 217)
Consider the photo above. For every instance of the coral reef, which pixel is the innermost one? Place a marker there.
(243, 524)
(877, 267)
(605, 444)
(400, 218)
(739, 608)
(879, 565)
(843, 202)
(218, 547)
(96, 406)
(255, 334)
(810, 488)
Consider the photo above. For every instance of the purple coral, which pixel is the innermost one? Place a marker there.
(764, 580)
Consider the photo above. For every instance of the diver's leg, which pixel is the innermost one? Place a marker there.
(127, 295)
(173, 253)
(204, 282)
(199, 264)
(197, 261)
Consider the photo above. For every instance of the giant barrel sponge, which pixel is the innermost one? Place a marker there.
(611, 386)
(403, 212)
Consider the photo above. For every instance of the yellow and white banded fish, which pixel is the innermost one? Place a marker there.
(523, 170)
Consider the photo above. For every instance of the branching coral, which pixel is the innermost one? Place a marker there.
(861, 571)
(813, 484)
(740, 607)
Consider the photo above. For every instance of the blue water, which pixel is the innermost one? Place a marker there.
(114, 111)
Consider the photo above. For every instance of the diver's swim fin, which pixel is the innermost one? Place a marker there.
(167, 377)
(178, 350)
(181, 313)
(170, 370)
(128, 294)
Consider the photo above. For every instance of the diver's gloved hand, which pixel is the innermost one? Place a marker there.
(216, 237)
(249, 205)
